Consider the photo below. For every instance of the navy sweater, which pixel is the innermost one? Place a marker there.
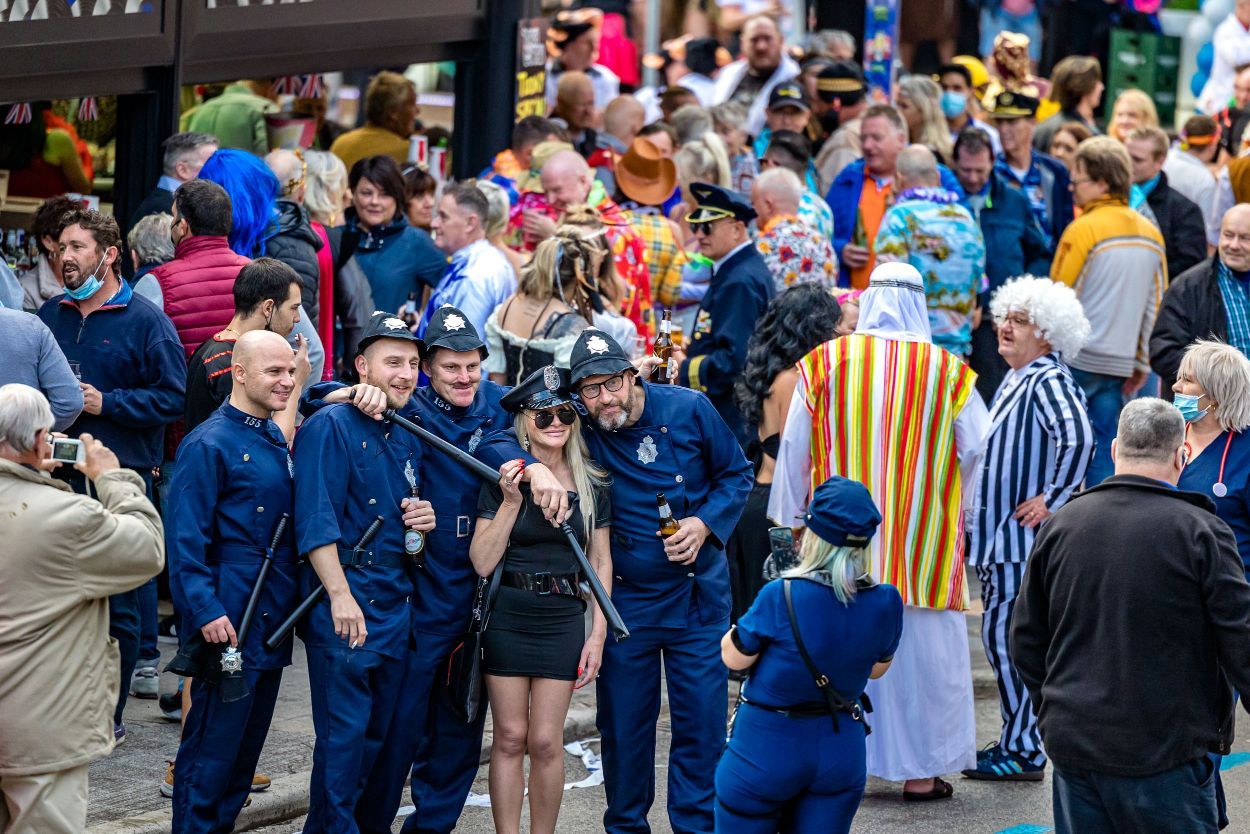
(129, 350)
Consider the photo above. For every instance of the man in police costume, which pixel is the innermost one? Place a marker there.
(223, 508)
(351, 469)
(460, 407)
(739, 291)
(672, 593)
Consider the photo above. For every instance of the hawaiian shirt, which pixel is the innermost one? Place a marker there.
(815, 212)
(629, 255)
(929, 229)
(795, 254)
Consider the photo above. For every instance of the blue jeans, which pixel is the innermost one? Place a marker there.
(1104, 399)
(1176, 801)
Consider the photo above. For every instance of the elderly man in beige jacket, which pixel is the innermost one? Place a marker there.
(63, 556)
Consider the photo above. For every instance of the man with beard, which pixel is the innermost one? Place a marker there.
(673, 593)
(751, 79)
(349, 471)
(132, 372)
(223, 506)
(460, 407)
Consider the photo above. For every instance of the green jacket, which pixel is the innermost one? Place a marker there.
(236, 118)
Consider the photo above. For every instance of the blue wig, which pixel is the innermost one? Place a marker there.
(253, 191)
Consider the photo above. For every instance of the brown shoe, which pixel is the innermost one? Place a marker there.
(260, 782)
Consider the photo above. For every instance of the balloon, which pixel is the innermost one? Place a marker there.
(1216, 10)
(1206, 57)
(1199, 31)
(1197, 82)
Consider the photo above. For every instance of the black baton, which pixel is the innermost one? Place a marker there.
(233, 686)
(303, 608)
(619, 631)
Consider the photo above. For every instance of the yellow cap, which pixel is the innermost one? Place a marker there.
(980, 75)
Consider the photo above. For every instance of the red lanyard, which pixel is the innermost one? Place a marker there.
(1218, 489)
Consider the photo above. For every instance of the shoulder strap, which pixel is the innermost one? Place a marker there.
(487, 590)
(832, 697)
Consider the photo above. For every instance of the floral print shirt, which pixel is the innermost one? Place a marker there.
(796, 254)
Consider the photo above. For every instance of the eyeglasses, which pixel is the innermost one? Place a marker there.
(1074, 182)
(1016, 319)
(542, 419)
(613, 383)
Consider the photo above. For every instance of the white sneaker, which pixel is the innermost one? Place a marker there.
(145, 682)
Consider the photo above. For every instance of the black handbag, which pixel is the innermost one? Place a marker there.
(464, 666)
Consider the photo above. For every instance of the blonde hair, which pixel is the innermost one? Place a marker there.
(1223, 373)
(386, 93)
(560, 269)
(325, 186)
(845, 564)
(1140, 102)
(585, 222)
(498, 208)
(588, 476)
(703, 160)
(925, 95)
(1105, 160)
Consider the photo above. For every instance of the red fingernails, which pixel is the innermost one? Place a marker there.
(579, 671)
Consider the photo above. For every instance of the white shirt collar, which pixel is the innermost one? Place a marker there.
(716, 265)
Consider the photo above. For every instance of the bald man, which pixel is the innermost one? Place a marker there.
(1201, 300)
(575, 106)
(793, 251)
(566, 179)
(622, 119)
(751, 79)
(234, 481)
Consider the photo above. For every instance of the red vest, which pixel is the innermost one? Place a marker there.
(198, 285)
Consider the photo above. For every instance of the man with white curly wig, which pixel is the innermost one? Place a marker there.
(1039, 447)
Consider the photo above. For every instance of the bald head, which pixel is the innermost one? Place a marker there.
(916, 167)
(566, 179)
(623, 118)
(1234, 242)
(290, 171)
(263, 366)
(575, 100)
(776, 193)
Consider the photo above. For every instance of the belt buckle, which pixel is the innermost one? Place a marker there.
(857, 712)
(463, 526)
(544, 584)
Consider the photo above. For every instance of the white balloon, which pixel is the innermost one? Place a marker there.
(1199, 32)
(1216, 10)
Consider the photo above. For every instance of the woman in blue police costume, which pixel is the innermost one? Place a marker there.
(793, 759)
(534, 644)
(1212, 391)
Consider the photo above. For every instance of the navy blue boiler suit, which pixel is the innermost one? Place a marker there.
(234, 483)
(349, 470)
(676, 613)
(445, 749)
(802, 769)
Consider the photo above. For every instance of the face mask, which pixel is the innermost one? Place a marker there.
(88, 288)
(1187, 405)
(953, 103)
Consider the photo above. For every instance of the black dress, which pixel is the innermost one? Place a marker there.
(530, 635)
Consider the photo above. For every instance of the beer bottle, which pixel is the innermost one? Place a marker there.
(663, 350)
(410, 310)
(414, 541)
(668, 524)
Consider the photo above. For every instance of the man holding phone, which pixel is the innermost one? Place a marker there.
(133, 377)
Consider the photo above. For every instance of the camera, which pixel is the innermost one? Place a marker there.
(67, 450)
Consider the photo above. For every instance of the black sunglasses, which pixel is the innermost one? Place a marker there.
(542, 419)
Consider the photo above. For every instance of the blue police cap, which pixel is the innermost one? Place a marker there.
(451, 329)
(842, 513)
(714, 202)
(546, 387)
(383, 325)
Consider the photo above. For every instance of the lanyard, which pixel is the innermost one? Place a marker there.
(1218, 489)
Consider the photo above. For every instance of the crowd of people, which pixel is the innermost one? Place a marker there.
(678, 326)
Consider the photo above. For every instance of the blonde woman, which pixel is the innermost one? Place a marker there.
(538, 325)
(325, 196)
(497, 223)
(1133, 109)
(919, 102)
(534, 653)
(585, 221)
(797, 751)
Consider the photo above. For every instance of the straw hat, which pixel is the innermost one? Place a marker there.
(645, 176)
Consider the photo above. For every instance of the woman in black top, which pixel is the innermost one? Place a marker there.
(535, 648)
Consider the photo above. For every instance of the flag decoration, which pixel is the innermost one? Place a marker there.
(19, 114)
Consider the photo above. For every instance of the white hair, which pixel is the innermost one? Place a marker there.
(498, 207)
(783, 185)
(149, 239)
(1052, 306)
(24, 411)
(325, 186)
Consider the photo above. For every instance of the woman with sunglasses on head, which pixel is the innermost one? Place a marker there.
(535, 653)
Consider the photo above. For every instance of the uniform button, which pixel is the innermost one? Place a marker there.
(618, 579)
(691, 575)
(364, 445)
(260, 509)
(371, 602)
(247, 457)
(407, 599)
(679, 479)
(373, 500)
(264, 614)
(663, 429)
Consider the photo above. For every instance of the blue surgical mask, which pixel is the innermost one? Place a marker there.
(953, 103)
(1187, 405)
(89, 287)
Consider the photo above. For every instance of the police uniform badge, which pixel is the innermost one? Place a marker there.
(453, 322)
(597, 345)
(290, 465)
(647, 451)
(475, 439)
(394, 324)
(551, 378)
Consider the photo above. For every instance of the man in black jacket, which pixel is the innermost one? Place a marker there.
(294, 242)
(185, 155)
(1194, 306)
(1179, 219)
(1132, 620)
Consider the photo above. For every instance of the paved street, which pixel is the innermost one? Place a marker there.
(125, 797)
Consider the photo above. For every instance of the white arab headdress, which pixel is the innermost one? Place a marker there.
(893, 306)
